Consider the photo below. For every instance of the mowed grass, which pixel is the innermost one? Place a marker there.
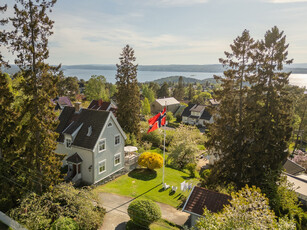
(163, 224)
(146, 184)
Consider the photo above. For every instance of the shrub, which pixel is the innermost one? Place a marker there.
(178, 118)
(64, 223)
(144, 212)
(169, 116)
(153, 137)
(150, 160)
(131, 139)
(191, 168)
(248, 209)
(37, 212)
(205, 174)
(147, 145)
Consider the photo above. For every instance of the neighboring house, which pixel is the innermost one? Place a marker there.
(296, 175)
(103, 105)
(293, 168)
(171, 105)
(214, 102)
(93, 143)
(300, 186)
(61, 102)
(201, 198)
(196, 114)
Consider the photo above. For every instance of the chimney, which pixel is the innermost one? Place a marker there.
(100, 102)
(77, 106)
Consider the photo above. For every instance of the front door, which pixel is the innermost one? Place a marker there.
(74, 170)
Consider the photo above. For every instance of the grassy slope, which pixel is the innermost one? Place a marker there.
(147, 185)
(163, 224)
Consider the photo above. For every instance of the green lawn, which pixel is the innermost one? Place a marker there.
(163, 224)
(155, 150)
(146, 184)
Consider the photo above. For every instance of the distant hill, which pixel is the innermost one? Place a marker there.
(162, 68)
(175, 79)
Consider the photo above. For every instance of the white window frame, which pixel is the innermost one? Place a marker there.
(68, 139)
(105, 145)
(117, 135)
(105, 166)
(118, 154)
(110, 125)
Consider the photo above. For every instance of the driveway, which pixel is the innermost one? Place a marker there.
(117, 215)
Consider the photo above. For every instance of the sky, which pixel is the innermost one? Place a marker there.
(169, 31)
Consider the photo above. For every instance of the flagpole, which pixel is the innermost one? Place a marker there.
(164, 145)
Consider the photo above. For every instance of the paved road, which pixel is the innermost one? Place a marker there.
(117, 216)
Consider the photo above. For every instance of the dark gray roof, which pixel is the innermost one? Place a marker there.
(205, 115)
(186, 112)
(292, 168)
(75, 158)
(71, 121)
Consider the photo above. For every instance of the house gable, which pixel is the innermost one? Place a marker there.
(111, 119)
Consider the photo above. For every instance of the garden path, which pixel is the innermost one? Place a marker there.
(116, 207)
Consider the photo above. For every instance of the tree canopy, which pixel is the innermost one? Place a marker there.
(95, 88)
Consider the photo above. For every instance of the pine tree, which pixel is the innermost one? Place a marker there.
(6, 96)
(227, 132)
(191, 91)
(252, 124)
(128, 94)
(163, 91)
(272, 109)
(29, 40)
(179, 90)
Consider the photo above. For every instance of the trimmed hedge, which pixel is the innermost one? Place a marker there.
(144, 212)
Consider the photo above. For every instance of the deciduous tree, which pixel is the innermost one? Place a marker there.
(145, 107)
(95, 88)
(68, 86)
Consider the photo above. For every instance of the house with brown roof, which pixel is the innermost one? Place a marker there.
(93, 143)
(103, 105)
(201, 198)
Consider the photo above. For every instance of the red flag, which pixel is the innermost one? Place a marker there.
(157, 121)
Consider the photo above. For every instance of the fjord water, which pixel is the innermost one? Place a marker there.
(143, 76)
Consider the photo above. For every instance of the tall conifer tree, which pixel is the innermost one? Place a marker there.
(271, 109)
(29, 40)
(128, 94)
(252, 124)
(228, 133)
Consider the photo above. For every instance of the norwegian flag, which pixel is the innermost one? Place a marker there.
(157, 121)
